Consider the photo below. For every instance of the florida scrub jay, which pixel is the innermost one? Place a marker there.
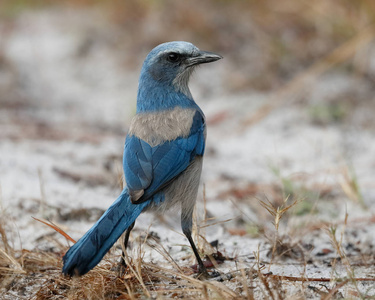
(162, 155)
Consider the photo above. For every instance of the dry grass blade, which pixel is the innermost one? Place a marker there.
(14, 266)
(337, 244)
(350, 186)
(248, 291)
(267, 286)
(278, 212)
(136, 272)
(216, 223)
(163, 252)
(8, 264)
(4, 239)
(56, 228)
(333, 291)
(313, 279)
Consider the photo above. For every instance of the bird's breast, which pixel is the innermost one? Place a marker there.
(158, 127)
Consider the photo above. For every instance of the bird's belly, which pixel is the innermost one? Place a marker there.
(183, 190)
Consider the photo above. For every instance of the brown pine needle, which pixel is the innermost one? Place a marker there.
(312, 279)
(56, 228)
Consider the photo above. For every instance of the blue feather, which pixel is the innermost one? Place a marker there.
(163, 162)
(90, 249)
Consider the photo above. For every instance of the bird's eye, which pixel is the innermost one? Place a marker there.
(173, 57)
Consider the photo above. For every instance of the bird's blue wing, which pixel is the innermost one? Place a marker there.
(152, 168)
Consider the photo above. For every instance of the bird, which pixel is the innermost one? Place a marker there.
(162, 157)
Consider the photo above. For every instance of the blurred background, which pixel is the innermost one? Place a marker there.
(290, 108)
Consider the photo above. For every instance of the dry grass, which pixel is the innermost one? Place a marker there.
(37, 274)
(41, 273)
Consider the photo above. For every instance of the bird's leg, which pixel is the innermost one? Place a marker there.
(126, 240)
(186, 224)
(202, 268)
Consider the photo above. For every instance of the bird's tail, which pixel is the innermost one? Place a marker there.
(90, 249)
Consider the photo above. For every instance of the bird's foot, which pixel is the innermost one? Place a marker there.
(121, 267)
(208, 275)
(203, 274)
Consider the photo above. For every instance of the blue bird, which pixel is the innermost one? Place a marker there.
(162, 155)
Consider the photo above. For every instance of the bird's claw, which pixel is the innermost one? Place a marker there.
(203, 274)
(120, 268)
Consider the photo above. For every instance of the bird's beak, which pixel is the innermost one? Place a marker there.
(202, 57)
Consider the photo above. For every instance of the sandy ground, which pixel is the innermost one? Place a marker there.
(66, 103)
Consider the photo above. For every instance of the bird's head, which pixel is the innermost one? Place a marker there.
(172, 63)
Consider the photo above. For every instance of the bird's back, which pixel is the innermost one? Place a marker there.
(156, 128)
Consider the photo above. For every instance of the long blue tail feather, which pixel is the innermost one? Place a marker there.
(90, 249)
